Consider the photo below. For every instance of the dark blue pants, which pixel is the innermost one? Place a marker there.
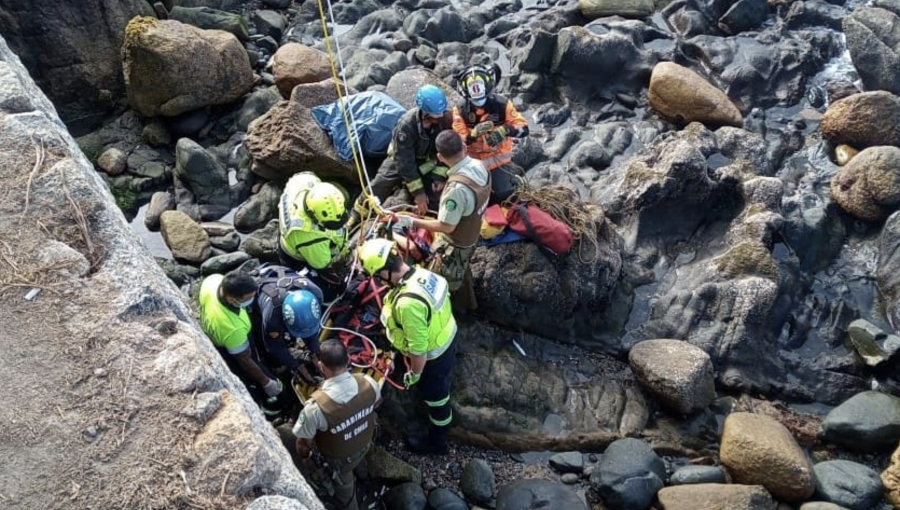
(434, 387)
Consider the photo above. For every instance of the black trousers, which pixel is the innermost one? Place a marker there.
(434, 387)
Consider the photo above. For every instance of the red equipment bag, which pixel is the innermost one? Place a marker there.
(550, 234)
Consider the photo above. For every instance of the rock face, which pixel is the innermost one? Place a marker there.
(684, 96)
(757, 450)
(874, 41)
(677, 374)
(92, 29)
(511, 279)
(286, 140)
(295, 63)
(710, 496)
(172, 68)
(156, 339)
(848, 484)
(868, 187)
(867, 422)
(863, 120)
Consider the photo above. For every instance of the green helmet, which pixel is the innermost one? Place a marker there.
(374, 255)
(325, 203)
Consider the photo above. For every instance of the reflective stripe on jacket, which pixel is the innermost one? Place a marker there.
(418, 315)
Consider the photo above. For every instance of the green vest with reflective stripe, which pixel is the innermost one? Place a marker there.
(301, 237)
(427, 295)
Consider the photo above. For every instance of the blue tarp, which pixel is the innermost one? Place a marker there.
(508, 236)
(375, 115)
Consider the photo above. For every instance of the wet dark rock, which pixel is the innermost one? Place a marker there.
(180, 274)
(538, 494)
(568, 462)
(872, 39)
(188, 124)
(849, 484)
(695, 17)
(263, 243)
(563, 141)
(259, 209)
(743, 15)
(552, 115)
(256, 104)
(227, 243)
(223, 263)
(868, 422)
(160, 202)
(688, 475)
(477, 482)
(629, 476)
(406, 496)
(815, 13)
(890, 5)
(278, 4)
(888, 266)
(767, 70)
(269, 23)
(367, 68)
(506, 399)
(440, 26)
(444, 499)
(123, 132)
(199, 182)
(212, 19)
(155, 134)
(585, 62)
(534, 53)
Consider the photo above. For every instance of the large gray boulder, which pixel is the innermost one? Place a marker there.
(873, 38)
(212, 19)
(512, 280)
(678, 374)
(867, 422)
(187, 241)
(477, 482)
(172, 68)
(259, 209)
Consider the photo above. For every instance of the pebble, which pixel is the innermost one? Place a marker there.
(569, 478)
(90, 433)
(592, 457)
(100, 372)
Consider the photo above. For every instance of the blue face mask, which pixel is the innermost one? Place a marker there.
(245, 304)
(479, 102)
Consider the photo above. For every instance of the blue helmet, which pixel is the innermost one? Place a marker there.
(302, 313)
(431, 100)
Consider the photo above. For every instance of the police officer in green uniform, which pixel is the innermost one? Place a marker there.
(463, 202)
(223, 304)
(418, 320)
(340, 420)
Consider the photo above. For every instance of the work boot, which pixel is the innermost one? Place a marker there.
(435, 443)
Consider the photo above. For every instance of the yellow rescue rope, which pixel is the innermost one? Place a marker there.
(349, 122)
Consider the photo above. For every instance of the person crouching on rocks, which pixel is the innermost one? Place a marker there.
(223, 304)
(419, 323)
